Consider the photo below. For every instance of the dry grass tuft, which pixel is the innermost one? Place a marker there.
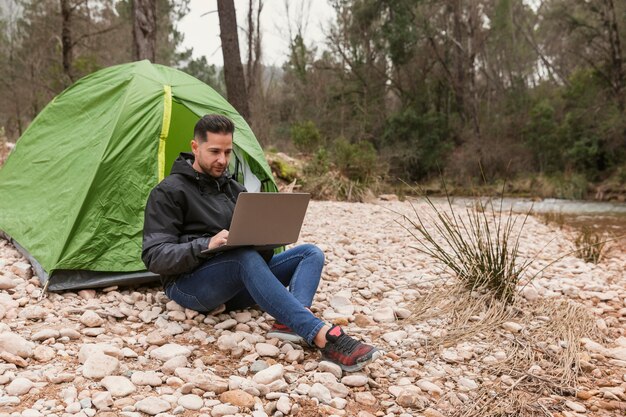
(589, 245)
(480, 244)
(541, 360)
(335, 186)
(466, 314)
(556, 218)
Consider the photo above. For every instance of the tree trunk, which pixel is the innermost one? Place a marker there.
(66, 41)
(233, 70)
(144, 30)
(617, 71)
(253, 73)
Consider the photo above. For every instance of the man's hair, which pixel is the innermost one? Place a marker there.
(214, 123)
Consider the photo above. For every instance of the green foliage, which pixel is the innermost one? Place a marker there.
(542, 137)
(357, 161)
(300, 58)
(200, 68)
(305, 136)
(319, 164)
(282, 168)
(568, 186)
(422, 140)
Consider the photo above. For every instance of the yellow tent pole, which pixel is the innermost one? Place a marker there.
(165, 128)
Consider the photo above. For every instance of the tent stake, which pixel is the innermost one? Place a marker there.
(44, 291)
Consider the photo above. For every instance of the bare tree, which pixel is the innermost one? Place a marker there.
(233, 70)
(144, 29)
(253, 66)
(66, 40)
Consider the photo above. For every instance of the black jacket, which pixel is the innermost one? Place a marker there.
(182, 213)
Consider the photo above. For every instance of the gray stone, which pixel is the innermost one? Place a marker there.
(15, 345)
(283, 405)
(342, 305)
(226, 324)
(333, 368)
(146, 378)
(19, 386)
(321, 393)
(45, 334)
(148, 315)
(6, 283)
(428, 386)
(269, 375)
(468, 383)
(191, 402)
(265, 349)
(295, 355)
(8, 302)
(33, 313)
(90, 349)
(118, 386)
(258, 366)
(99, 365)
(356, 380)
(102, 400)
(44, 353)
(91, 319)
(222, 410)
(574, 406)
(169, 351)
(176, 362)
(530, 293)
(512, 327)
(153, 405)
(384, 315)
(395, 336)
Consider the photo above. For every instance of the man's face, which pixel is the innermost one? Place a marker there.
(213, 155)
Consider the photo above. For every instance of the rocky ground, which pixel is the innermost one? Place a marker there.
(560, 350)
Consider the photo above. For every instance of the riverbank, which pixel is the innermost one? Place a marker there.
(533, 187)
(560, 350)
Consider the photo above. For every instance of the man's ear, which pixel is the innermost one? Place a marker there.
(194, 146)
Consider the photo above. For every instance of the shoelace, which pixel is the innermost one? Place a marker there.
(345, 344)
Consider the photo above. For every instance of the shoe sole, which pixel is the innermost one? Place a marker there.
(288, 337)
(375, 354)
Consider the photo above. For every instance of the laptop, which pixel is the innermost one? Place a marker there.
(265, 221)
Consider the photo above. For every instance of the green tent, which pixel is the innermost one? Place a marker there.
(73, 191)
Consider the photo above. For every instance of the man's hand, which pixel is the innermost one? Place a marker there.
(218, 240)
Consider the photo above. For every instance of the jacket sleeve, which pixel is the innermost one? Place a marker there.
(163, 222)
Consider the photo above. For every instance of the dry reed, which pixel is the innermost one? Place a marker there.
(541, 360)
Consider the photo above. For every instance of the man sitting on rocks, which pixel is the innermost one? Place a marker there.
(191, 210)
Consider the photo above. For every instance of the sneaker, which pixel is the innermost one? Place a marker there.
(282, 332)
(350, 354)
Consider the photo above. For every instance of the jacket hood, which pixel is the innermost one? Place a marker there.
(184, 165)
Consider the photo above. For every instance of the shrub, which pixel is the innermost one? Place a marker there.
(542, 139)
(357, 161)
(319, 164)
(305, 136)
(480, 246)
(417, 143)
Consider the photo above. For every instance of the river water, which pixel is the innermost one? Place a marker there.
(602, 217)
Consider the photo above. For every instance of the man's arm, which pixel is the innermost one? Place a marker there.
(163, 225)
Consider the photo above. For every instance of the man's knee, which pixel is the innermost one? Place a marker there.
(313, 252)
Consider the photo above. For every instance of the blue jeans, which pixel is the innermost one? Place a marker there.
(241, 278)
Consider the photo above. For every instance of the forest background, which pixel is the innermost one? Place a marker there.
(476, 91)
